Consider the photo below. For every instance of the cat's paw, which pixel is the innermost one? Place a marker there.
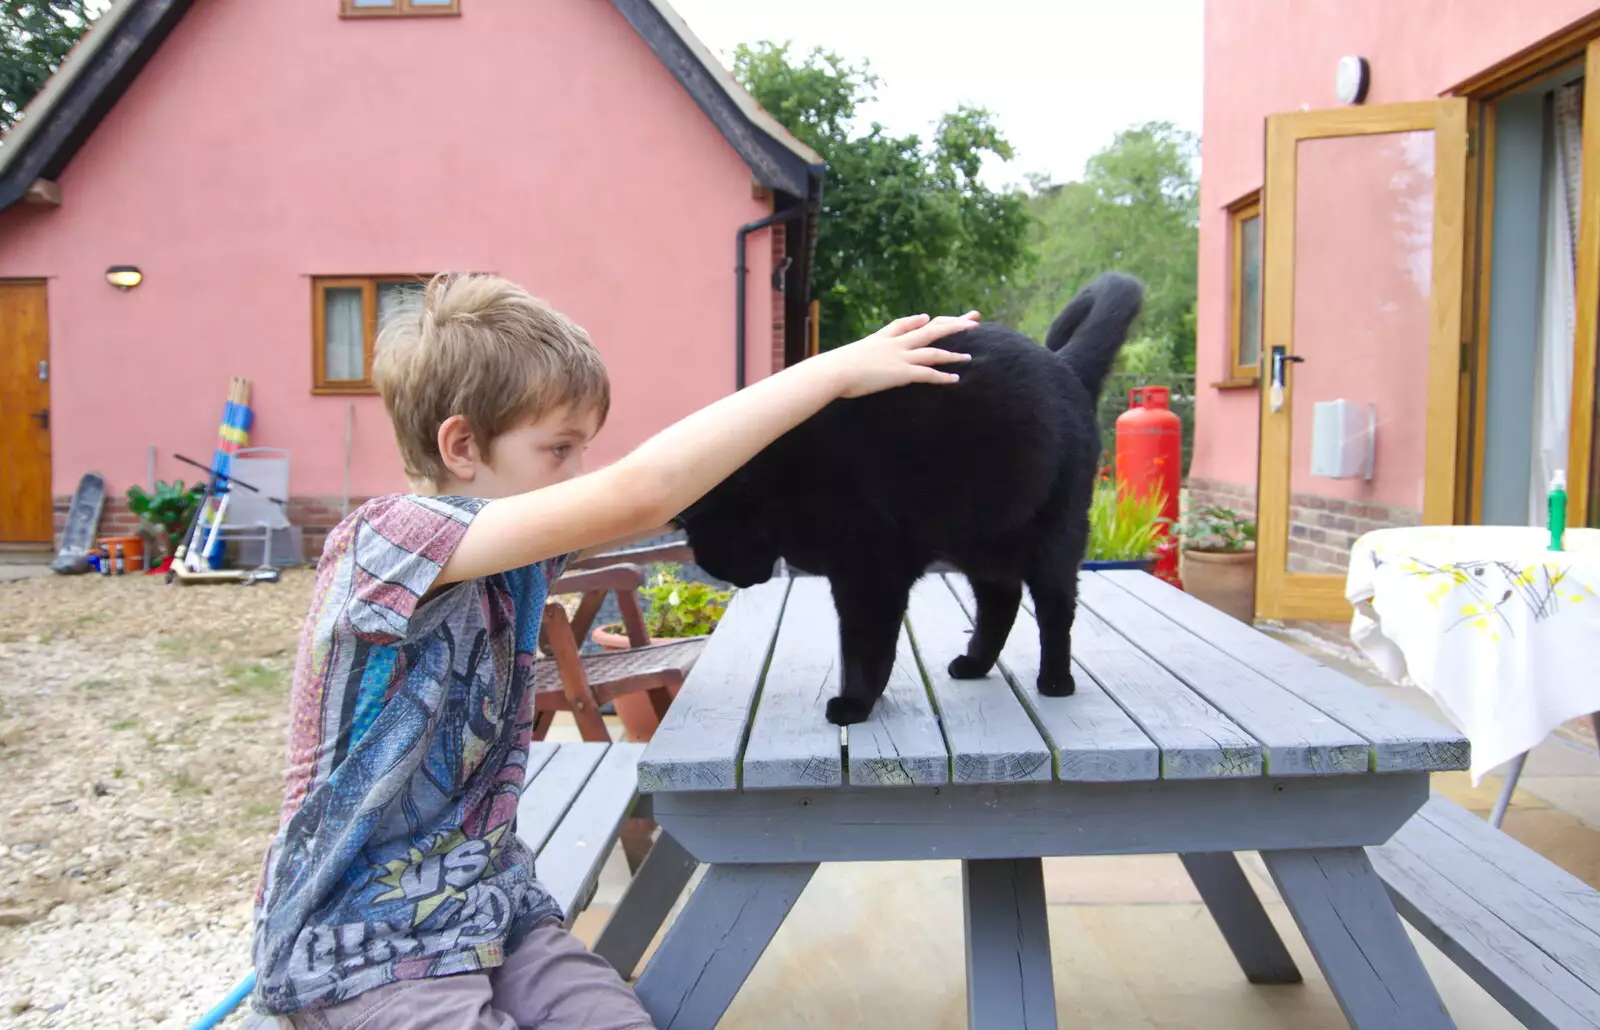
(966, 667)
(847, 711)
(1057, 686)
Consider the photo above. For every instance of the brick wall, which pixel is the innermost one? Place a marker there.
(1321, 529)
(779, 236)
(314, 515)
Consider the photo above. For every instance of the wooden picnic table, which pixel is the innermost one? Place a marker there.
(1190, 733)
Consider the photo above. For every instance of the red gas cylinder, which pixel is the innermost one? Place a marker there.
(1150, 457)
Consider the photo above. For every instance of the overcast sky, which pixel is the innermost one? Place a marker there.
(1061, 76)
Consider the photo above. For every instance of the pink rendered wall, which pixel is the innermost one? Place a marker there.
(267, 143)
(1264, 57)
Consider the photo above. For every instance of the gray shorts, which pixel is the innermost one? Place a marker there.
(552, 982)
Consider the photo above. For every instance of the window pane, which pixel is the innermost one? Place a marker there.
(342, 335)
(432, 3)
(372, 3)
(394, 297)
(1250, 292)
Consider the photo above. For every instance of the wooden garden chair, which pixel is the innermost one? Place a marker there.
(568, 681)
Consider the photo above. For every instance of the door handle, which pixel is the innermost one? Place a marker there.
(1280, 357)
(43, 415)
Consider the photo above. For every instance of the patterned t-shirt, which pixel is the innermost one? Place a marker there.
(396, 855)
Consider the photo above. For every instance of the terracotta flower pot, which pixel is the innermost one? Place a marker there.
(638, 715)
(1224, 580)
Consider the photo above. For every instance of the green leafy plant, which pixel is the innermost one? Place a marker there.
(165, 510)
(1123, 528)
(1219, 530)
(678, 607)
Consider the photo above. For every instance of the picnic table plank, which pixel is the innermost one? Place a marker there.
(792, 744)
(991, 736)
(1296, 738)
(698, 743)
(1197, 741)
(569, 863)
(548, 795)
(1092, 738)
(1402, 739)
(900, 744)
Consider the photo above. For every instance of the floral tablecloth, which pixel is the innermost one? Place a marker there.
(1501, 631)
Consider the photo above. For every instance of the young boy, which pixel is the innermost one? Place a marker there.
(396, 894)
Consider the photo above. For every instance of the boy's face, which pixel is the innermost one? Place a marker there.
(533, 454)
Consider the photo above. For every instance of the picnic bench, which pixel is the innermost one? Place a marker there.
(1190, 733)
(1525, 929)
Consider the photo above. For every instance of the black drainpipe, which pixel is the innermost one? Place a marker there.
(740, 270)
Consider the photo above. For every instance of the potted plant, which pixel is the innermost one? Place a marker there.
(1124, 529)
(673, 608)
(164, 512)
(1217, 560)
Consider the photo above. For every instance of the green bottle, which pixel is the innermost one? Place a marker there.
(1558, 508)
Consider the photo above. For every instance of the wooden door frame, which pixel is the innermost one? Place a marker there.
(1319, 596)
(1575, 45)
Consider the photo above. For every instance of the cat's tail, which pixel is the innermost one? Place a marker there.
(1092, 328)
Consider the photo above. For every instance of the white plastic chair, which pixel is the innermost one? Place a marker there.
(252, 514)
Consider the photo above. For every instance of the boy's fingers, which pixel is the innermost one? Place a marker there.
(924, 374)
(901, 326)
(937, 356)
(938, 329)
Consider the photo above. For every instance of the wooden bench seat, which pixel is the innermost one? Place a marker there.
(1526, 930)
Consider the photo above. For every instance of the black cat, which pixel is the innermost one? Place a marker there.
(993, 475)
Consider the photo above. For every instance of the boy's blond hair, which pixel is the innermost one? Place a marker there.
(483, 348)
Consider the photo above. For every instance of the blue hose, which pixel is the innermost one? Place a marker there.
(240, 991)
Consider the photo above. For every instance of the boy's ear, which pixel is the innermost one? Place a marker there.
(458, 449)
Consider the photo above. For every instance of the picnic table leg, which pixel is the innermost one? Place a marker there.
(730, 918)
(1009, 979)
(645, 904)
(1244, 923)
(1353, 930)
(1503, 802)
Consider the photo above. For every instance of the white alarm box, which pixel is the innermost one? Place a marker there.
(1343, 439)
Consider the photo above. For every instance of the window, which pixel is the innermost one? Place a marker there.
(396, 8)
(345, 318)
(1244, 291)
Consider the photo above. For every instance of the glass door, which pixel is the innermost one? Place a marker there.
(1364, 212)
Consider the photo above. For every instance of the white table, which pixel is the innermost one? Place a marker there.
(1498, 629)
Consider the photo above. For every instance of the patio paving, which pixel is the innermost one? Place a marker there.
(881, 944)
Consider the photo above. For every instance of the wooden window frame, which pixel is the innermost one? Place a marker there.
(400, 9)
(1239, 212)
(368, 285)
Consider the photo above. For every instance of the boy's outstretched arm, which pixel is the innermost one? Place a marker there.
(674, 468)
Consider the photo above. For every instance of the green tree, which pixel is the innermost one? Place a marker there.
(35, 36)
(906, 225)
(1136, 210)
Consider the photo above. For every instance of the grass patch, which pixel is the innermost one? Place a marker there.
(249, 679)
(126, 724)
(183, 782)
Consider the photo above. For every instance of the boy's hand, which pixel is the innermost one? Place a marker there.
(900, 353)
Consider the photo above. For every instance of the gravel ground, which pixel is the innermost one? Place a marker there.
(141, 748)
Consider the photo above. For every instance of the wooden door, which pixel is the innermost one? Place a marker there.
(25, 505)
(1364, 212)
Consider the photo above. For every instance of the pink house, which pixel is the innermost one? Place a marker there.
(1399, 273)
(276, 172)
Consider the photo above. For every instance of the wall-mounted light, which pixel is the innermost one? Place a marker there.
(124, 277)
(1351, 79)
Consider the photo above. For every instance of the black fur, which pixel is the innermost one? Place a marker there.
(993, 475)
